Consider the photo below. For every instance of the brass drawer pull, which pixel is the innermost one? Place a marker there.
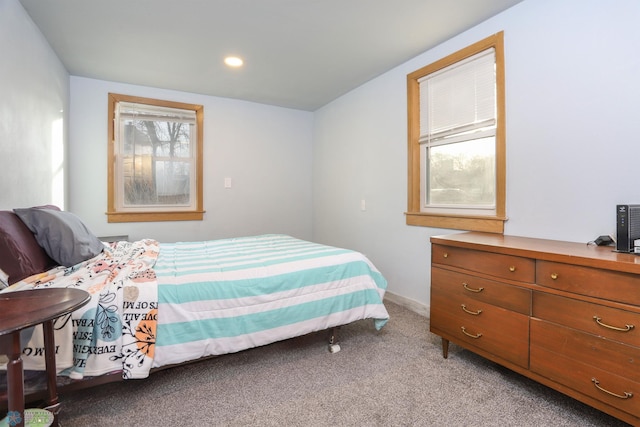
(464, 285)
(445, 255)
(627, 394)
(554, 276)
(512, 268)
(626, 328)
(466, 310)
(464, 331)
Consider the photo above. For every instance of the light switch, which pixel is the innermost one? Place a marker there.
(363, 205)
(227, 182)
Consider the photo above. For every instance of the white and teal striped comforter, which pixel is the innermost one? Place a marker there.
(223, 296)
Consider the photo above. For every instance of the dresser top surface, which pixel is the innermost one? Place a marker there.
(549, 250)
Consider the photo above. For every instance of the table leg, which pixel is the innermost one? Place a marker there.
(15, 377)
(53, 405)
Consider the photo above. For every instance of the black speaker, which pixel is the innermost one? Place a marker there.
(628, 226)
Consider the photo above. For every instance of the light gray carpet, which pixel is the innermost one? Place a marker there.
(394, 377)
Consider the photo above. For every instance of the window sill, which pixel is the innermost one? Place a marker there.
(468, 223)
(154, 216)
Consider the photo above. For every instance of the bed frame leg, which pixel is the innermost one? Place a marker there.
(334, 347)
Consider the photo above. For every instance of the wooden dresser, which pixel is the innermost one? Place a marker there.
(564, 314)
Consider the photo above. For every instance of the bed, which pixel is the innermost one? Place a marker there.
(154, 305)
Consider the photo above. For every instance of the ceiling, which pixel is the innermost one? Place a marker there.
(299, 54)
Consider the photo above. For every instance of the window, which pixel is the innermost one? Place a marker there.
(155, 160)
(457, 140)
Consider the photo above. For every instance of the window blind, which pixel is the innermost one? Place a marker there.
(134, 111)
(459, 98)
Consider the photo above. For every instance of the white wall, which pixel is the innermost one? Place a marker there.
(572, 70)
(265, 150)
(34, 99)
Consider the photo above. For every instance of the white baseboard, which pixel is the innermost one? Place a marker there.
(408, 303)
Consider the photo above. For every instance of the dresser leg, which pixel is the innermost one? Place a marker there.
(445, 348)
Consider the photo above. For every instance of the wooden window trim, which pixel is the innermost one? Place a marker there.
(493, 223)
(115, 216)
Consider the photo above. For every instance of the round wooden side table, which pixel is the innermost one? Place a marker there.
(23, 309)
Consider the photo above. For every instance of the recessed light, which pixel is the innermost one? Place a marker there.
(233, 61)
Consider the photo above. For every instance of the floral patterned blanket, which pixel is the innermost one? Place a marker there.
(116, 330)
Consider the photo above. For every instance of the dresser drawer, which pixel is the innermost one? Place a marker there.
(465, 287)
(610, 285)
(593, 366)
(615, 324)
(485, 326)
(610, 356)
(498, 265)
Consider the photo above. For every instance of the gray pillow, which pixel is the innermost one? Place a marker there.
(62, 235)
